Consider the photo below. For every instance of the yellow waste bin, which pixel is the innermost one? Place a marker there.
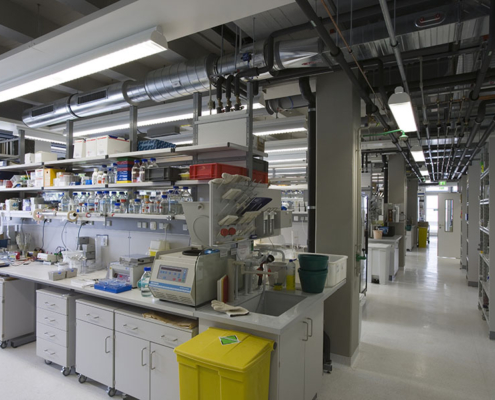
(220, 364)
(422, 237)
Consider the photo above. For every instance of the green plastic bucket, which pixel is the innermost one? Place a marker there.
(313, 262)
(311, 281)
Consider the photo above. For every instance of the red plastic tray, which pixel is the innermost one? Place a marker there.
(215, 170)
(261, 177)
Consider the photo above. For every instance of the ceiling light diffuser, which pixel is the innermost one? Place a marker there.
(401, 107)
(417, 153)
(288, 150)
(424, 171)
(279, 131)
(111, 55)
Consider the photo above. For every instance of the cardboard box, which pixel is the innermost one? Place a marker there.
(39, 173)
(91, 147)
(29, 158)
(80, 148)
(38, 183)
(49, 175)
(259, 143)
(44, 156)
(111, 145)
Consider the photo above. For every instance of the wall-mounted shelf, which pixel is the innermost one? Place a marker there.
(22, 189)
(21, 167)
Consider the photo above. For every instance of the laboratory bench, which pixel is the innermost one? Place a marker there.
(294, 320)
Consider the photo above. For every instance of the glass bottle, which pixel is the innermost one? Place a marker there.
(186, 195)
(113, 200)
(123, 202)
(98, 197)
(178, 204)
(116, 208)
(137, 195)
(135, 172)
(84, 207)
(91, 202)
(152, 163)
(64, 203)
(164, 205)
(137, 206)
(144, 282)
(105, 202)
(290, 279)
(142, 170)
(72, 202)
(104, 175)
(82, 200)
(152, 205)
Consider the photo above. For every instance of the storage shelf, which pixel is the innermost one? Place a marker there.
(485, 202)
(88, 161)
(486, 288)
(485, 259)
(21, 167)
(169, 152)
(210, 148)
(22, 189)
(180, 217)
(484, 230)
(485, 312)
(485, 173)
(94, 216)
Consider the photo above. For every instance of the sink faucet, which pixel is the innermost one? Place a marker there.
(272, 250)
(247, 271)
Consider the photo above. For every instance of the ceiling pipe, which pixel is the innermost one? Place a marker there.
(394, 43)
(338, 56)
(479, 145)
(307, 94)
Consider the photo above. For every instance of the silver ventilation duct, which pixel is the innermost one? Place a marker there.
(174, 81)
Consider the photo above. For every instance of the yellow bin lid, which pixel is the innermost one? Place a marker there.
(225, 348)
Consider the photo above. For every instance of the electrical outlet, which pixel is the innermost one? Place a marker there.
(103, 240)
(145, 225)
(153, 226)
(160, 226)
(108, 223)
(139, 224)
(184, 227)
(166, 227)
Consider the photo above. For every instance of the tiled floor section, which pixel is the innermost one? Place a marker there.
(422, 338)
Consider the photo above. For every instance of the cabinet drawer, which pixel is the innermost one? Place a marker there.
(94, 315)
(51, 334)
(51, 318)
(150, 331)
(51, 352)
(55, 303)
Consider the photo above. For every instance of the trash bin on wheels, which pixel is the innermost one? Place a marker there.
(220, 364)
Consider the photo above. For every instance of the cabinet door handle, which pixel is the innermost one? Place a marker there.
(52, 353)
(311, 334)
(169, 339)
(92, 316)
(151, 360)
(307, 331)
(50, 319)
(135, 328)
(50, 335)
(108, 337)
(142, 357)
(50, 304)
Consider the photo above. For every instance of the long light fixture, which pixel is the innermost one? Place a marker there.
(149, 122)
(286, 160)
(424, 171)
(105, 57)
(417, 153)
(288, 150)
(401, 107)
(279, 131)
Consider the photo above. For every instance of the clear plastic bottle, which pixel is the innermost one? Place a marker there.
(91, 202)
(64, 203)
(144, 282)
(135, 172)
(290, 278)
(163, 209)
(94, 177)
(98, 197)
(142, 170)
(124, 206)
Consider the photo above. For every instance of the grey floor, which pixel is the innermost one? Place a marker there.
(422, 338)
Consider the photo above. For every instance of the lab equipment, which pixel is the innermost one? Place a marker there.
(144, 282)
(130, 268)
(187, 276)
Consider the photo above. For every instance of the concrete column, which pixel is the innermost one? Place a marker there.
(397, 186)
(412, 201)
(338, 202)
(464, 225)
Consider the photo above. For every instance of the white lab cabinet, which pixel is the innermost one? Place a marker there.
(56, 327)
(411, 238)
(95, 350)
(17, 298)
(380, 256)
(301, 358)
(145, 364)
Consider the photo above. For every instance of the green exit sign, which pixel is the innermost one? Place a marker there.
(442, 183)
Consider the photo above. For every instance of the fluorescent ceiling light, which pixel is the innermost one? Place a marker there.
(401, 106)
(117, 53)
(288, 150)
(424, 171)
(183, 142)
(279, 131)
(279, 168)
(417, 153)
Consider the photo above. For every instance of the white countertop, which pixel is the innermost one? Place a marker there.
(39, 273)
(391, 239)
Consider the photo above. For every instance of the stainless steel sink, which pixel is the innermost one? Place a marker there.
(272, 303)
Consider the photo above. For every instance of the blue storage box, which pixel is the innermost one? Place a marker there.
(113, 285)
(154, 144)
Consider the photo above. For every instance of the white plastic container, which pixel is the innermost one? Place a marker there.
(91, 147)
(44, 156)
(29, 158)
(378, 263)
(111, 145)
(80, 148)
